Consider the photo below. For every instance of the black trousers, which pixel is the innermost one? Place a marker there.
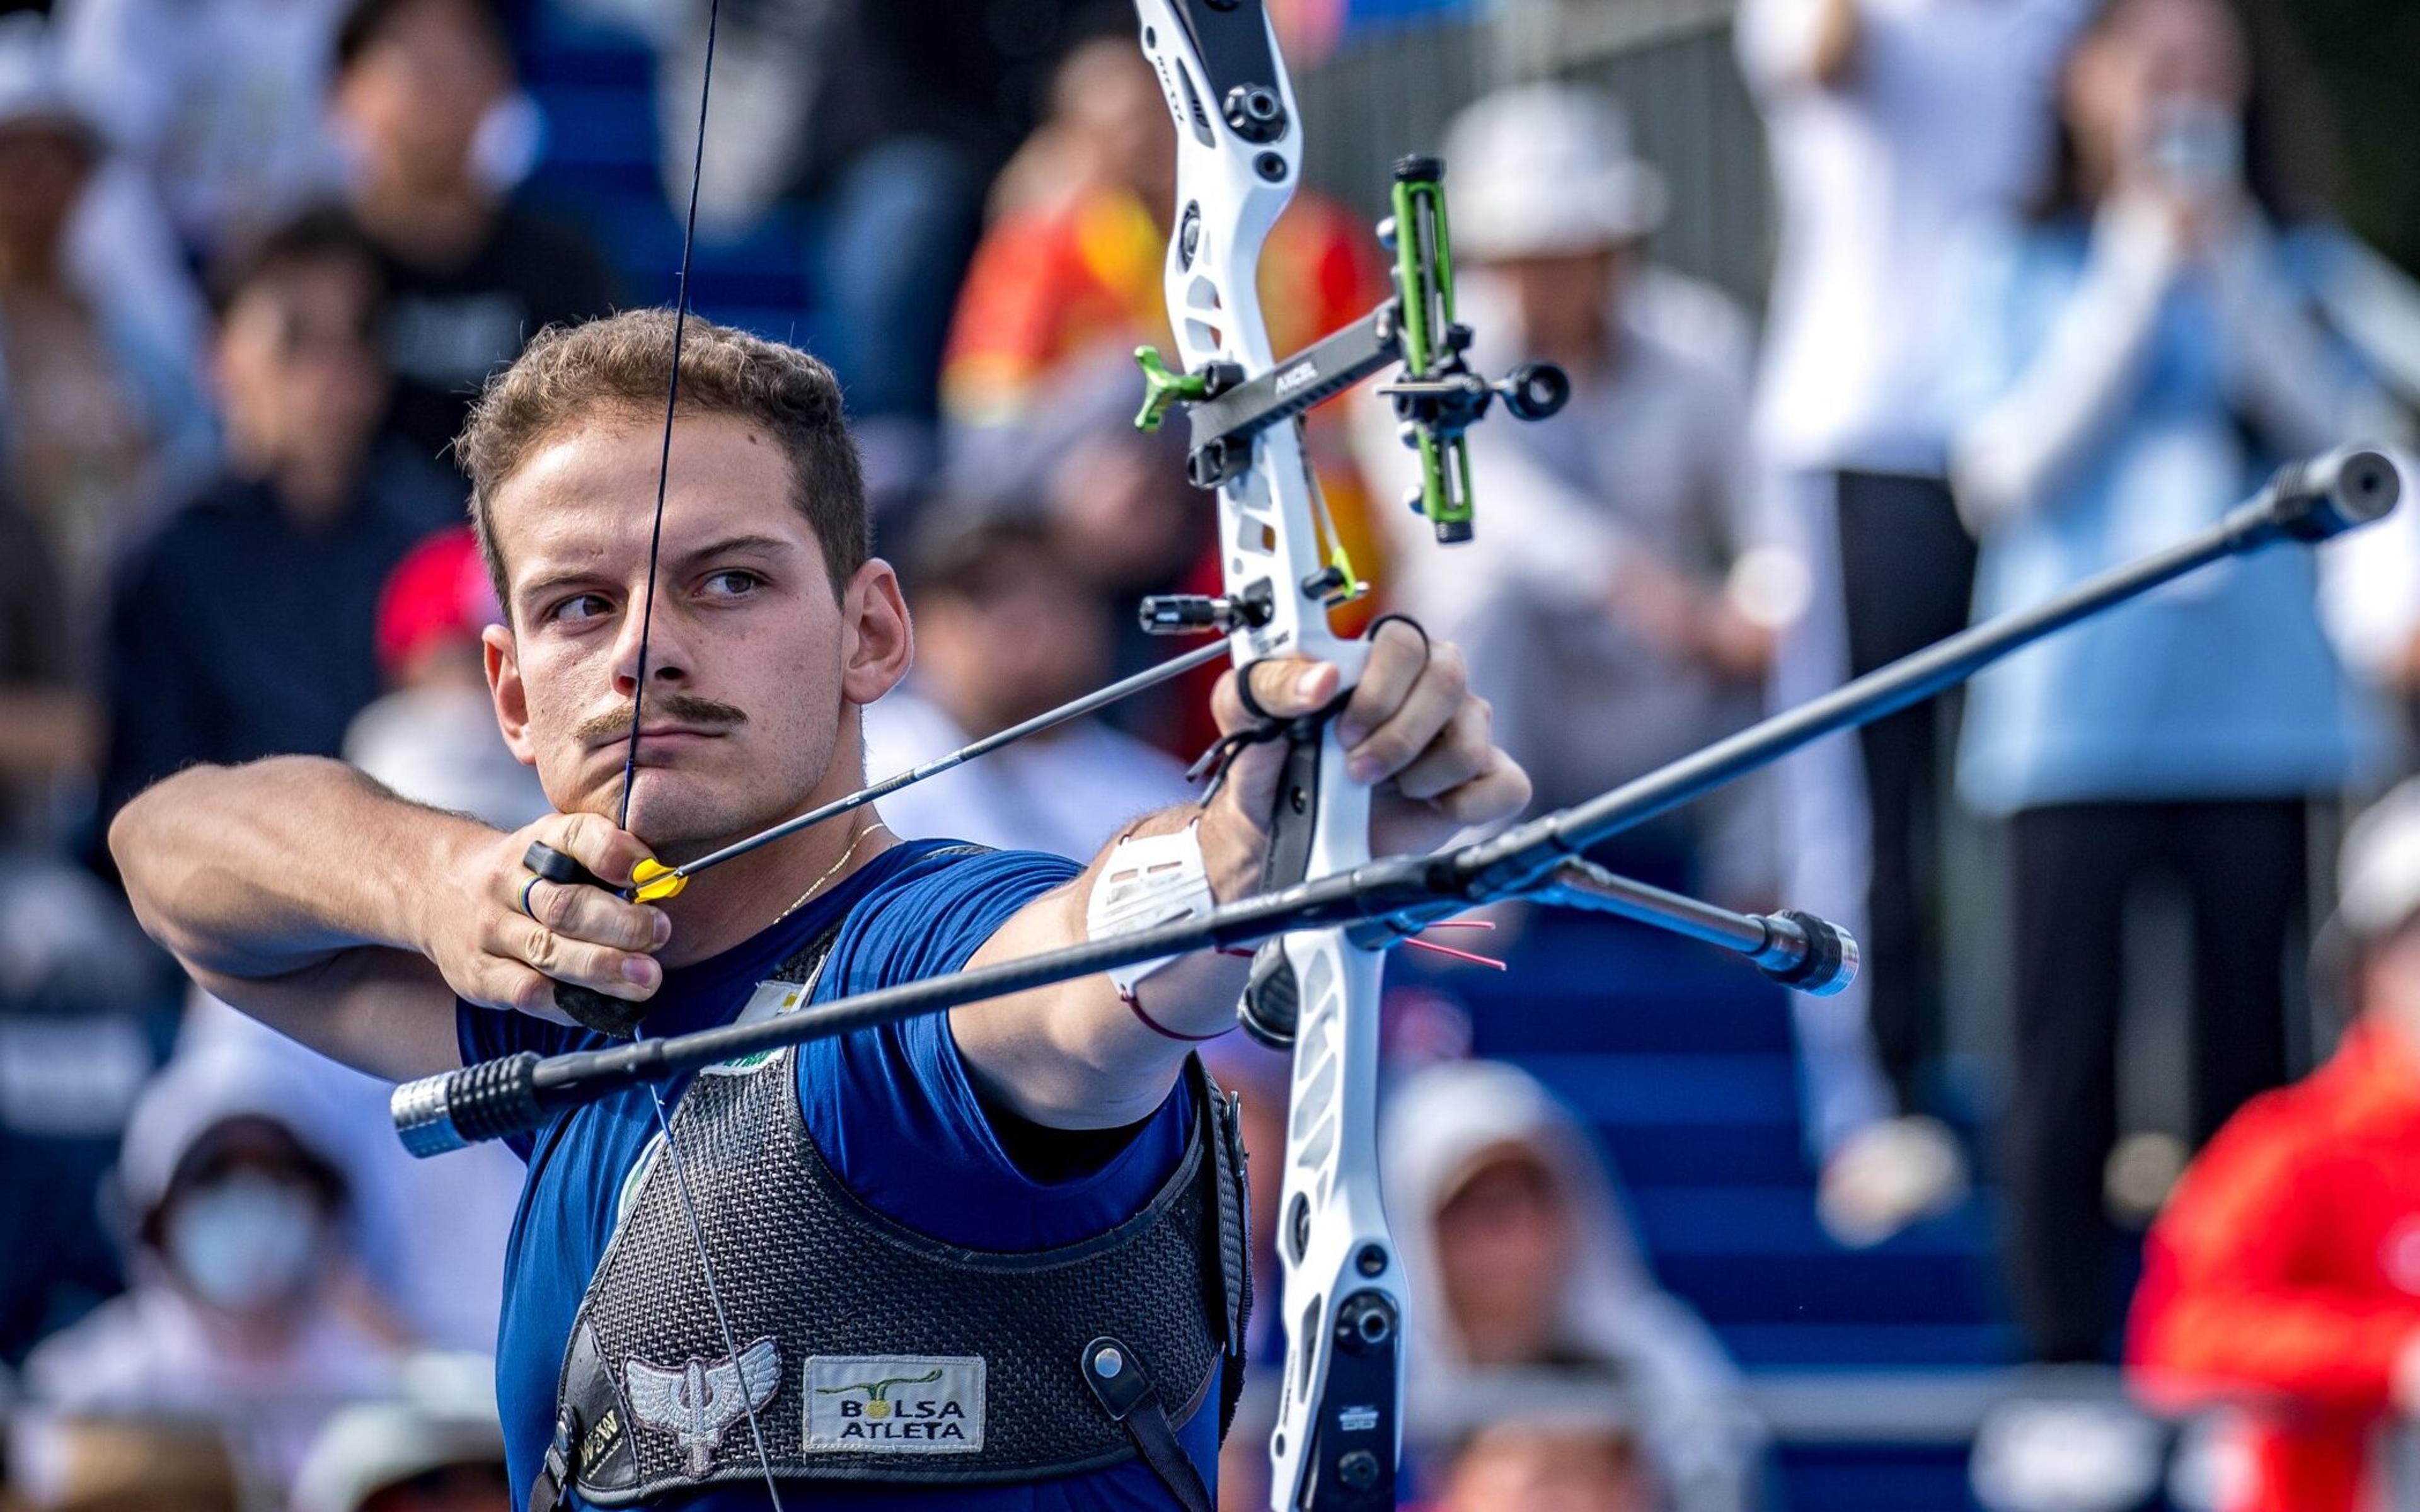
(2242, 865)
(1907, 579)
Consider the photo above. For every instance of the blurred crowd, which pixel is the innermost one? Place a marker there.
(2056, 282)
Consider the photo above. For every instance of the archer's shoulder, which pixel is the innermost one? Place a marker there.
(933, 889)
(942, 868)
(934, 905)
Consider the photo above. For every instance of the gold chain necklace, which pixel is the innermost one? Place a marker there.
(818, 884)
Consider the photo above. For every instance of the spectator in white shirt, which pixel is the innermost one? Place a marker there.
(1616, 617)
(1891, 124)
(1006, 630)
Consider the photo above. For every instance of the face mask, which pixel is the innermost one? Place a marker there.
(245, 1242)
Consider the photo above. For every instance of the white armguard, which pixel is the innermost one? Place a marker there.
(1149, 881)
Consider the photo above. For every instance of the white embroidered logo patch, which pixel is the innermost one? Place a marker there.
(919, 1404)
(697, 1401)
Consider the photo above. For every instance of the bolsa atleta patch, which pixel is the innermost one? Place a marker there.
(924, 1404)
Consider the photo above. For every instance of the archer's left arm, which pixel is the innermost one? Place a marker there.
(1079, 1055)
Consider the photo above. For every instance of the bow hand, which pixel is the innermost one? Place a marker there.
(1411, 729)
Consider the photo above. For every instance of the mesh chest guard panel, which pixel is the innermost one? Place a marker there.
(648, 1400)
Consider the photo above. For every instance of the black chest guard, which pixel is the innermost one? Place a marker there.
(869, 1352)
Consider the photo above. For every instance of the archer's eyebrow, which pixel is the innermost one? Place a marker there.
(734, 545)
(746, 546)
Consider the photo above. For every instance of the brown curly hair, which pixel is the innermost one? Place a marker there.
(620, 363)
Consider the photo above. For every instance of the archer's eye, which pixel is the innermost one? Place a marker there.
(732, 582)
(581, 607)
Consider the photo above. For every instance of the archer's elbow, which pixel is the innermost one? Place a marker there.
(142, 845)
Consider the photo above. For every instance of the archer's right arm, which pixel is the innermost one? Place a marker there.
(318, 901)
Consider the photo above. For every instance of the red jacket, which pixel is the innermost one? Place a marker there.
(2283, 1277)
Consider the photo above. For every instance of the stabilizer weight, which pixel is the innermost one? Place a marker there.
(1820, 961)
(488, 1101)
(588, 1008)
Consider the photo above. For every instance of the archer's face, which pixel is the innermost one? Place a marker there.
(751, 664)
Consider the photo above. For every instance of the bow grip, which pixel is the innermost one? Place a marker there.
(1272, 998)
(616, 1016)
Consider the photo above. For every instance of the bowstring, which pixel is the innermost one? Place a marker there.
(630, 756)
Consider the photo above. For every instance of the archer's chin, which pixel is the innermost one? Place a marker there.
(682, 815)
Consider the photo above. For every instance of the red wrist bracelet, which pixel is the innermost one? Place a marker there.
(1135, 1005)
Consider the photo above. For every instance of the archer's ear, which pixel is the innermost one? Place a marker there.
(878, 645)
(506, 689)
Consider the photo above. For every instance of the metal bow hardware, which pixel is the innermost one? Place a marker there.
(1327, 911)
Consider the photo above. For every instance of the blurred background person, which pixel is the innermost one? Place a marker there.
(1520, 1261)
(2140, 360)
(1006, 630)
(1891, 125)
(1601, 600)
(50, 720)
(106, 1464)
(101, 425)
(885, 124)
(432, 735)
(1038, 384)
(218, 104)
(2281, 1286)
(440, 1447)
(1548, 1451)
(245, 1307)
(245, 626)
(470, 275)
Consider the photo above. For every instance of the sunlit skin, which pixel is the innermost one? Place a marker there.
(754, 673)
(1504, 1242)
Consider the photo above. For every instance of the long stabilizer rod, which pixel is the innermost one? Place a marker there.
(1394, 897)
(2308, 501)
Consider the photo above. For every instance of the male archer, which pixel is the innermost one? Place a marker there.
(949, 1198)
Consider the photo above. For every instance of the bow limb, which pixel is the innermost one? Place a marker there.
(1239, 151)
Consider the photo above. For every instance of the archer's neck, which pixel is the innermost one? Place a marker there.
(738, 899)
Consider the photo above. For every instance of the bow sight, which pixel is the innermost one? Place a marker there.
(1436, 396)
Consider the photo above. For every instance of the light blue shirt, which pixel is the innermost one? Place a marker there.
(2220, 685)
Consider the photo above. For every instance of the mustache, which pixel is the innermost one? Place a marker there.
(681, 708)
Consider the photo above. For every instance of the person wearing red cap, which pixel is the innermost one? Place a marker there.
(2283, 1280)
(432, 738)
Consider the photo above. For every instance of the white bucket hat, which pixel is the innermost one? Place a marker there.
(1544, 169)
(32, 92)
